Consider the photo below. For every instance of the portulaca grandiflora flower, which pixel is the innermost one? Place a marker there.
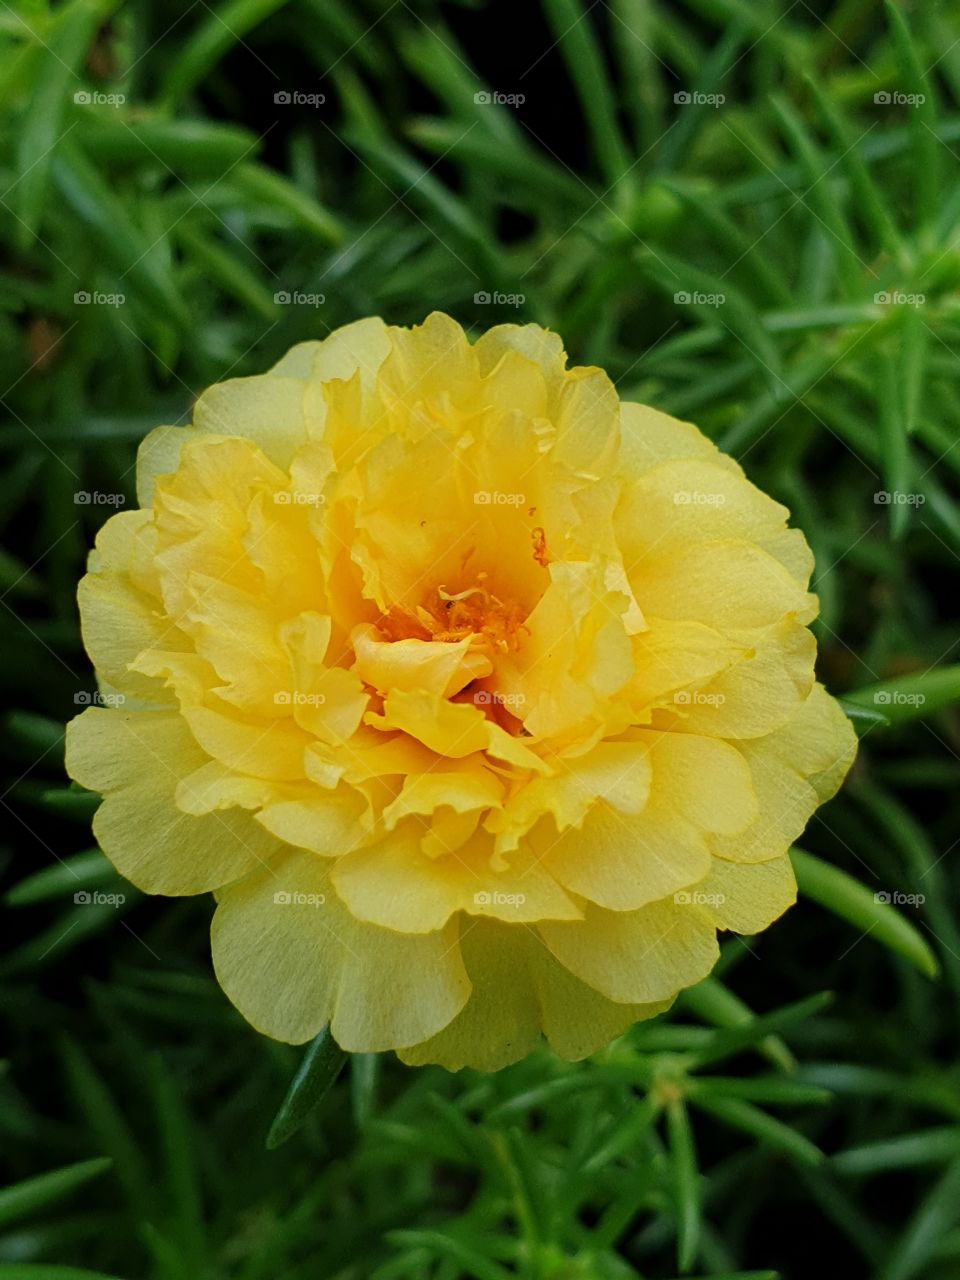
(481, 700)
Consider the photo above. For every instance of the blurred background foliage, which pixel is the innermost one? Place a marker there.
(798, 161)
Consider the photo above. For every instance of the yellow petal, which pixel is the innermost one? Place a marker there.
(756, 694)
(617, 773)
(519, 990)
(119, 617)
(451, 728)
(746, 897)
(642, 956)
(623, 863)
(330, 825)
(292, 960)
(396, 885)
(136, 760)
(727, 585)
(794, 770)
(443, 668)
(269, 409)
(361, 346)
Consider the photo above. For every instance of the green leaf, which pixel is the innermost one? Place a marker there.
(863, 908)
(908, 1152)
(717, 1004)
(106, 1120)
(922, 116)
(319, 1068)
(55, 82)
(911, 697)
(895, 451)
(221, 29)
(122, 243)
(364, 1074)
(750, 1119)
(570, 24)
(181, 1178)
(24, 1198)
(776, 1090)
(88, 871)
(724, 1044)
(259, 185)
(180, 145)
(863, 719)
(445, 1246)
(686, 1183)
(936, 1213)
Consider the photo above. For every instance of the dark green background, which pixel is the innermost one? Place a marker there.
(599, 198)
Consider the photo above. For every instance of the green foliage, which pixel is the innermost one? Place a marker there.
(781, 266)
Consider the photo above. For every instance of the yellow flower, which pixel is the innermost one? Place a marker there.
(481, 699)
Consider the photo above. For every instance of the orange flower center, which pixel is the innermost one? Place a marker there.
(453, 615)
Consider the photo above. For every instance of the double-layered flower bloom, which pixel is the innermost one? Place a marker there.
(481, 699)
